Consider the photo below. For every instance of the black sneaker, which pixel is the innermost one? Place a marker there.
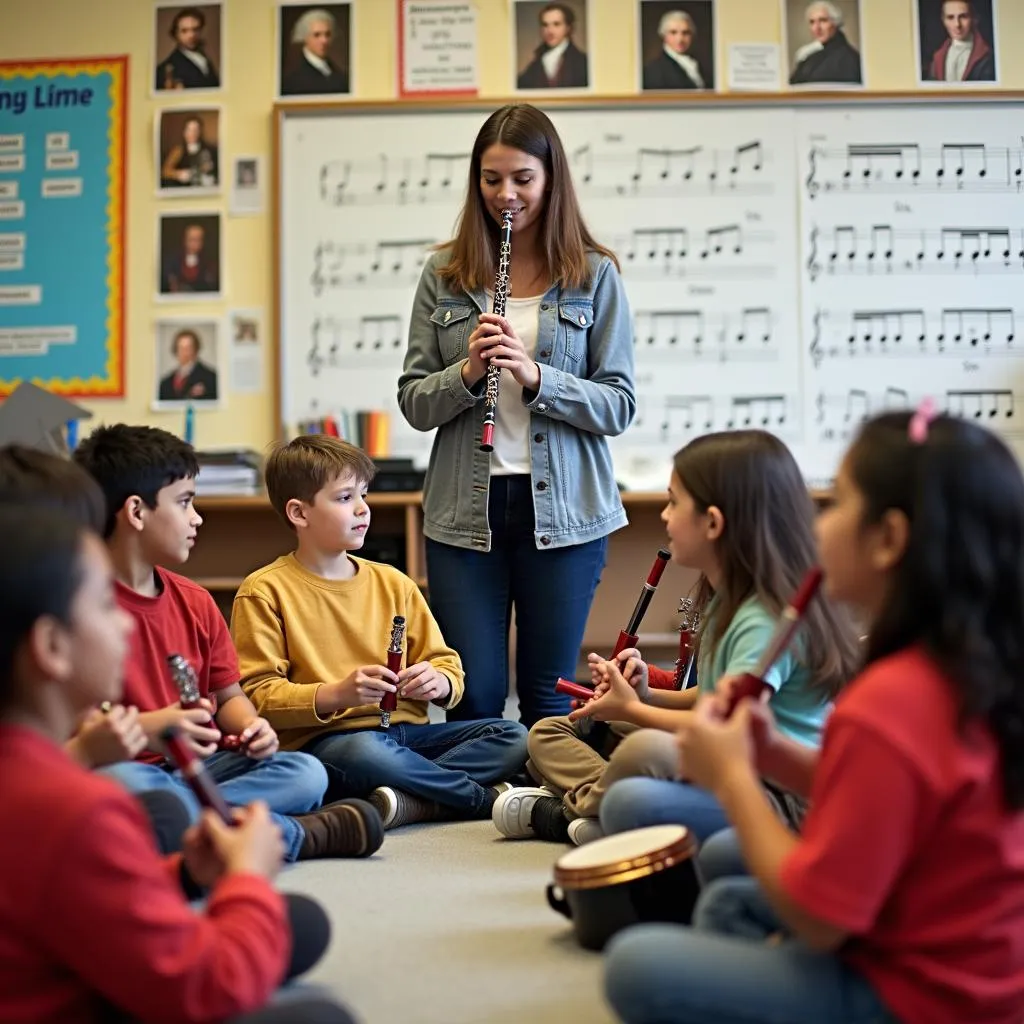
(397, 808)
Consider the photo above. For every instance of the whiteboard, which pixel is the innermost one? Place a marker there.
(791, 268)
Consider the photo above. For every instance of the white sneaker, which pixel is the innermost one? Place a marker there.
(585, 830)
(511, 811)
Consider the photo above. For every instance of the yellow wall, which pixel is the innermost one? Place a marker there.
(73, 28)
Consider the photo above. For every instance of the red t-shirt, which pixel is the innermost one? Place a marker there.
(909, 848)
(91, 915)
(183, 619)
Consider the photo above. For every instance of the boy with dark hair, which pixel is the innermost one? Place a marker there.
(312, 629)
(148, 477)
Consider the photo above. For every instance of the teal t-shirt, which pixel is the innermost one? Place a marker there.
(800, 709)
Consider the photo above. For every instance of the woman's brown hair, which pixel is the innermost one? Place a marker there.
(565, 240)
(767, 544)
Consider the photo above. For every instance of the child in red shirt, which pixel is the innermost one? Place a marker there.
(903, 897)
(148, 478)
(93, 923)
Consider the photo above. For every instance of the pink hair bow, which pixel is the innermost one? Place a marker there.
(917, 431)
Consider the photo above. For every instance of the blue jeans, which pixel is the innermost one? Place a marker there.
(472, 594)
(722, 970)
(289, 783)
(720, 857)
(452, 763)
(637, 803)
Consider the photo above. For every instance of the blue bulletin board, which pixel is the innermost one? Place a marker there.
(62, 193)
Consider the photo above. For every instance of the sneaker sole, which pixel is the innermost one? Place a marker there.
(512, 810)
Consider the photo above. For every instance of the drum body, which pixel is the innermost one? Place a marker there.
(631, 878)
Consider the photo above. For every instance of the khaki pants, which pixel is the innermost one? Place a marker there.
(580, 760)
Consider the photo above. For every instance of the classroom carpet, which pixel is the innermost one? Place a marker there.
(449, 923)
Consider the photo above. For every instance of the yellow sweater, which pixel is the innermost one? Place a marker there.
(294, 631)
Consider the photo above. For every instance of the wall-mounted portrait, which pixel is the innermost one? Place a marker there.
(677, 44)
(824, 43)
(956, 42)
(190, 263)
(550, 41)
(314, 49)
(188, 151)
(188, 47)
(187, 362)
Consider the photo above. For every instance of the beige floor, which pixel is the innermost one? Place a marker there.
(449, 923)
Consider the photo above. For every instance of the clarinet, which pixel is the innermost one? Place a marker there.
(688, 624)
(501, 284)
(630, 636)
(389, 702)
(187, 683)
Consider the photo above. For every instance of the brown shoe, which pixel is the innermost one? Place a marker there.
(397, 808)
(345, 828)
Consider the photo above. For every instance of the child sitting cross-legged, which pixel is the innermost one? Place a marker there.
(312, 631)
(94, 924)
(148, 477)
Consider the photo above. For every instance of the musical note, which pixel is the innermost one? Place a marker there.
(760, 318)
(730, 335)
(584, 156)
(751, 150)
(980, 404)
(903, 167)
(713, 239)
(664, 242)
(379, 332)
(886, 325)
(873, 162)
(384, 264)
(444, 164)
(679, 415)
(756, 411)
(951, 331)
(334, 180)
(883, 248)
(977, 325)
(959, 157)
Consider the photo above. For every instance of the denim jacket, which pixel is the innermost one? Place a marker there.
(585, 355)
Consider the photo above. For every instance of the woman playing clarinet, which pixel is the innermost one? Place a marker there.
(521, 519)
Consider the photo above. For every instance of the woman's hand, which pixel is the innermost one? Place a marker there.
(504, 348)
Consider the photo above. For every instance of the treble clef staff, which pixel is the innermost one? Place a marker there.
(523, 525)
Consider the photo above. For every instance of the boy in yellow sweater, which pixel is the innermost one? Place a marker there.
(312, 630)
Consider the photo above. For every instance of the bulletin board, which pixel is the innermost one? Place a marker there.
(62, 206)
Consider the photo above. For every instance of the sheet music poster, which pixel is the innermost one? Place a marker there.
(791, 270)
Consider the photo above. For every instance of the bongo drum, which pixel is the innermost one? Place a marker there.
(630, 878)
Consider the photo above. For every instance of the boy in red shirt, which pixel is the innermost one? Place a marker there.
(903, 897)
(93, 923)
(148, 477)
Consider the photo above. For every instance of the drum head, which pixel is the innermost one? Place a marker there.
(623, 847)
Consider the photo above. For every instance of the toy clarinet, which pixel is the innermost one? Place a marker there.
(752, 684)
(501, 288)
(389, 701)
(689, 621)
(630, 636)
(194, 773)
(187, 683)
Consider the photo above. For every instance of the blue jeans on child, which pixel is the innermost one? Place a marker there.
(638, 802)
(472, 594)
(451, 763)
(289, 783)
(722, 970)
